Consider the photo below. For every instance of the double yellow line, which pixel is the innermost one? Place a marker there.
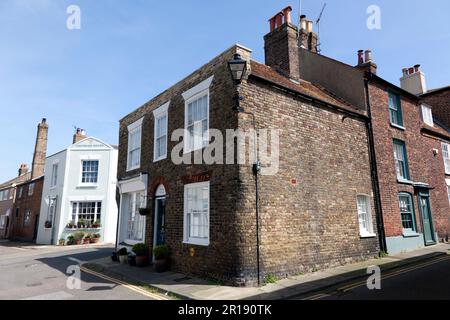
(383, 277)
(126, 285)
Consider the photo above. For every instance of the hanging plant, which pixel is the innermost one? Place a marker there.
(144, 211)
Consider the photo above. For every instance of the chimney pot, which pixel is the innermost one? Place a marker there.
(287, 14)
(405, 71)
(279, 19)
(272, 24)
(360, 57)
(368, 56)
(417, 68)
(303, 22)
(411, 70)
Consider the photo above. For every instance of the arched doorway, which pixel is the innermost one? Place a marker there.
(159, 223)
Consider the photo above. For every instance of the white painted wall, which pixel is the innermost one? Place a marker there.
(72, 190)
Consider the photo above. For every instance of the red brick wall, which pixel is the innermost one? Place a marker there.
(24, 203)
(440, 103)
(423, 165)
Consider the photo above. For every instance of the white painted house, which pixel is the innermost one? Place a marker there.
(80, 185)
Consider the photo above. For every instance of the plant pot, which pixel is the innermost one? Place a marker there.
(114, 257)
(62, 242)
(141, 261)
(144, 211)
(77, 242)
(86, 241)
(132, 260)
(123, 259)
(95, 240)
(161, 265)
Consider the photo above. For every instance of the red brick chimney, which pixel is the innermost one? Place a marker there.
(23, 169)
(365, 61)
(40, 150)
(281, 49)
(79, 135)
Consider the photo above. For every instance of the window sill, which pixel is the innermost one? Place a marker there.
(402, 181)
(396, 126)
(87, 186)
(160, 158)
(203, 243)
(407, 234)
(366, 235)
(133, 168)
(53, 188)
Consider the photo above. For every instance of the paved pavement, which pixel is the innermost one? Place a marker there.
(295, 287)
(40, 273)
(424, 281)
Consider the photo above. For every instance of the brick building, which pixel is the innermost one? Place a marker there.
(410, 183)
(27, 200)
(7, 198)
(315, 211)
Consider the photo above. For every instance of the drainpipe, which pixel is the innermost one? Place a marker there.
(119, 214)
(374, 173)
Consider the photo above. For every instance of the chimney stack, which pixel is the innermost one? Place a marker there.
(307, 39)
(40, 150)
(365, 61)
(23, 169)
(281, 49)
(413, 80)
(79, 135)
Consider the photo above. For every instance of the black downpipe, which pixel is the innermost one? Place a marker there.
(374, 174)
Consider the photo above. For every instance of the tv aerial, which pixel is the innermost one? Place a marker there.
(318, 27)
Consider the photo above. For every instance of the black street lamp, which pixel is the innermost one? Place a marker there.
(237, 67)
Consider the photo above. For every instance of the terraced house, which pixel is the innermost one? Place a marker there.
(233, 222)
(410, 149)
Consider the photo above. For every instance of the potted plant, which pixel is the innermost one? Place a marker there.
(62, 242)
(95, 238)
(132, 260)
(81, 223)
(78, 236)
(87, 238)
(142, 251)
(48, 224)
(123, 255)
(70, 240)
(161, 258)
(144, 211)
(70, 225)
(97, 224)
(114, 256)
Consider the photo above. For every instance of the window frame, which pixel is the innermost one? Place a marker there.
(427, 115)
(186, 226)
(78, 207)
(158, 114)
(31, 187)
(402, 144)
(27, 223)
(446, 157)
(132, 129)
(408, 231)
(197, 92)
(399, 110)
(89, 184)
(365, 232)
(54, 177)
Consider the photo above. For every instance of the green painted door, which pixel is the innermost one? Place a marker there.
(427, 221)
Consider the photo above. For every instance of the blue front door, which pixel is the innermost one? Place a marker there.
(160, 212)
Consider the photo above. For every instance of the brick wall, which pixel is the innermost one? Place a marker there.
(440, 103)
(308, 226)
(312, 224)
(423, 165)
(24, 203)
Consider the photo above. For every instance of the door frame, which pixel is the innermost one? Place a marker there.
(433, 232)
(160, 194)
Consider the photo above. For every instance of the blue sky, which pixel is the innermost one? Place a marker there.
(127, 51)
